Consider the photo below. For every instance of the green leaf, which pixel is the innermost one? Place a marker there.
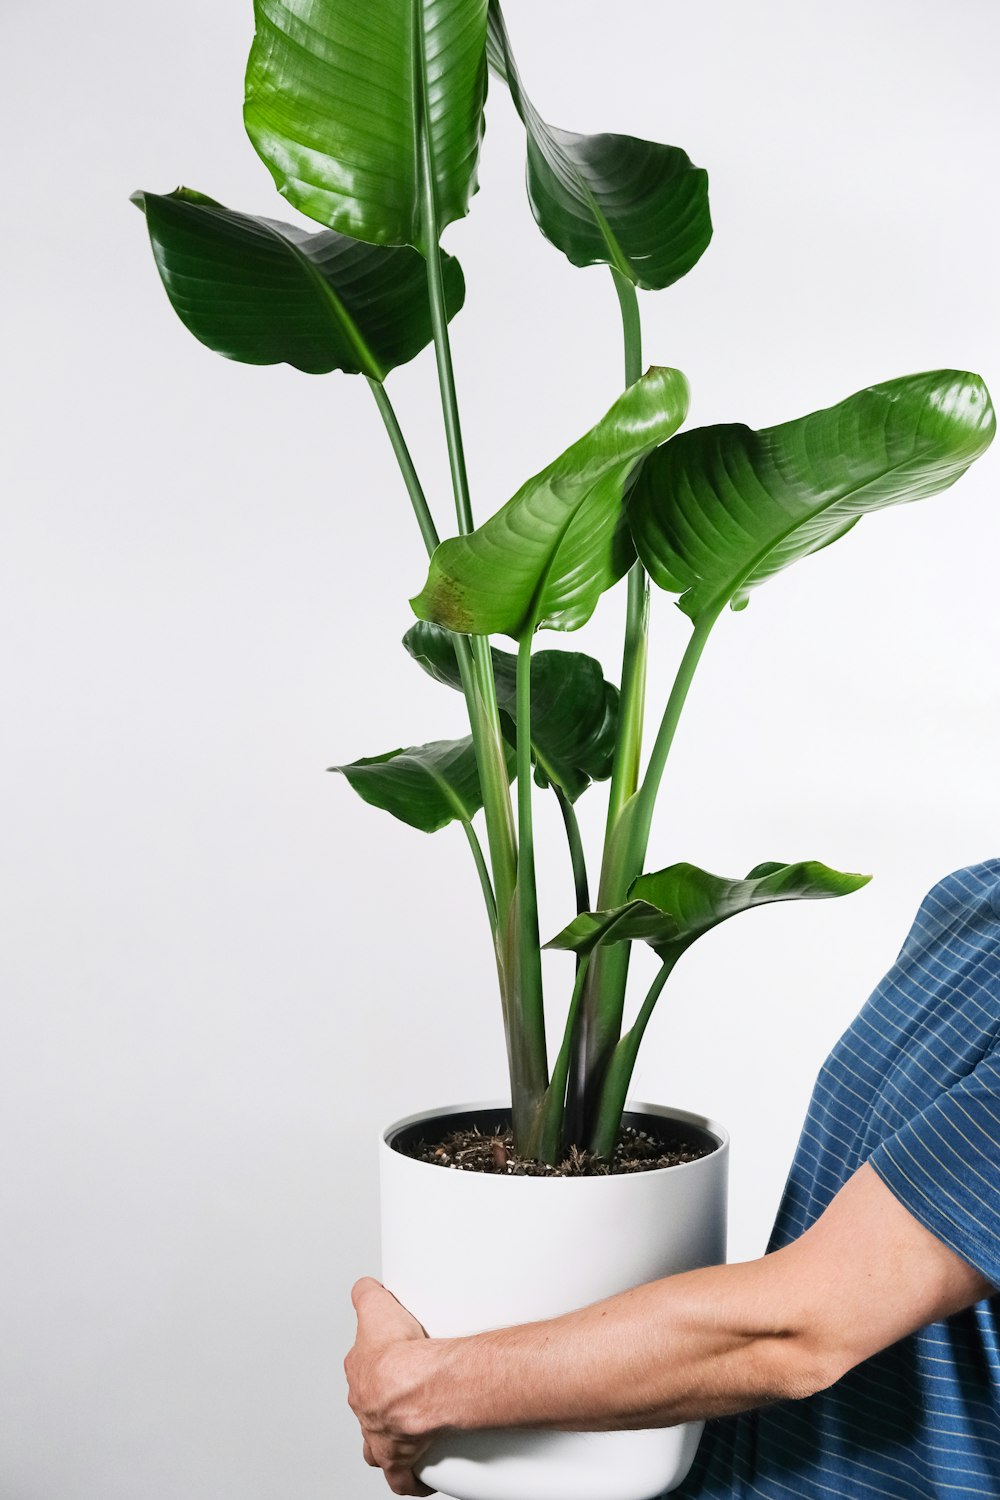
(337, 97)
(609, 199)
(672, 908)
(721, 509)
(267, 293)
(546, 557)
(426, 786)
(574, 712)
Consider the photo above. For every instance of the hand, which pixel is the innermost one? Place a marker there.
(384, 1384)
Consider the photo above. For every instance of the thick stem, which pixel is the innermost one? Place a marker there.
(614, 1091)
(578, 858)
(631, 713)
(625, 852)
(551, 1140)
(631, 328)
(609, 974)
(492, 766)
(431, 229)
(527, 1063)
(528, 943)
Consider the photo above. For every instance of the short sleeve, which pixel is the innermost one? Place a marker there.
(944, 1167)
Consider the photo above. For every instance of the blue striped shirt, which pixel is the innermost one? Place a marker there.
(913, 1087)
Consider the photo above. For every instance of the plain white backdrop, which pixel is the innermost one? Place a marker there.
(221, 972)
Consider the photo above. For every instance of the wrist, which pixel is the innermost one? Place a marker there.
(425, 1399)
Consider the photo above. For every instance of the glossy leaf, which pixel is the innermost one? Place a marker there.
(574, 712)
(609, 199)
(268, 293)
(721, 509)
(337, 94)
(546, 557)
(674, 907)
(426, 786)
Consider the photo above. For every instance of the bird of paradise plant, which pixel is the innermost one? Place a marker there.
(370, 119)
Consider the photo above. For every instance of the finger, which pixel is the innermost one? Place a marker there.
(405, 1482)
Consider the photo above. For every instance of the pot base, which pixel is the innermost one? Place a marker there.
(562, 1465)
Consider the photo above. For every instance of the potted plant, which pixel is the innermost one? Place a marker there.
(370, 120)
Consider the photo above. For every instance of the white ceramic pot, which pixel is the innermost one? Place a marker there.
(467, 1251)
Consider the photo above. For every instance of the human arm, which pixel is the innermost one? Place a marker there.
(696, 1345)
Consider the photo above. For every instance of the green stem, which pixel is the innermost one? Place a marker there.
(628, 747)
(609, 974)
(489, 755)
(414, 488)
(551, 1140)
(483, 873)
(625, 852)
(492, 766)
(446, 381)
(614, 1091)
(632, 703)
(528, 943)
(645, 802)
(526, 1056)
(631, 326)
(578, 858)
(439, 316)
(429, 532)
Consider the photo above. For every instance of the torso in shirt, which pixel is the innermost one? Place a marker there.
(920, 1421)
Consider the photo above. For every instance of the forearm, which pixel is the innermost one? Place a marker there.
(702, 1344)
(697, 1345)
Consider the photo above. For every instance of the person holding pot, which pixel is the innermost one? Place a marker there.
(860, 1356)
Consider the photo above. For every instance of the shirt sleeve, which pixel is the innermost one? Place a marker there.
(944, 1167)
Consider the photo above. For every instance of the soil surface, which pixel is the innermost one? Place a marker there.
(477, 1151)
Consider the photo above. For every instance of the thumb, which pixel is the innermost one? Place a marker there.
(362, 1291)
(380, 1317)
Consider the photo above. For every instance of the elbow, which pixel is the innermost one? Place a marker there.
(804, 1364)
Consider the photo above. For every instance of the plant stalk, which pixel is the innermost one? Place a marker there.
(483, 872)
(609, 972)
(578, 858)
(486, 714)
(528, 942)
(631, 325)
(429, 532)
(645, 802)
(525, 1053)
(614, 1091)
(625, 852)
(483, 704)
(551, 1139)
(631, 712)
(414, 488)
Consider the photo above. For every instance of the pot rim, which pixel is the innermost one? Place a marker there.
(633, 1106)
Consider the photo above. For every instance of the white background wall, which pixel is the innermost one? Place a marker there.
(222, 973)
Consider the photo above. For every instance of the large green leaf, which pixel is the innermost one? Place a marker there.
(338, 94)
(721, 509)
(266, 293)
(426, 786)
(546, 557)
(609, 199)
(574, 712)
(672, 908)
